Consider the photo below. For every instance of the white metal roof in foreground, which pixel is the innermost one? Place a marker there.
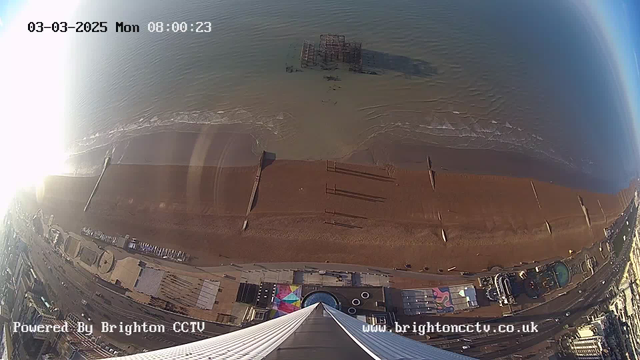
(265, 339)
(387, 345)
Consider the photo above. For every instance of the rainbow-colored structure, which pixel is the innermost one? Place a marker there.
(287, 299)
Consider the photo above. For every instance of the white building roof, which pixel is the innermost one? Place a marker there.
(265, 340)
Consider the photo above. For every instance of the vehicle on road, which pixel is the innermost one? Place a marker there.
(86, 316)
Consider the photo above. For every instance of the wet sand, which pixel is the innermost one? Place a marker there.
(413, 155)
(384, 216)
(222, 146)
(234, 146)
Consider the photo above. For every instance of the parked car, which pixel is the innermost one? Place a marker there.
(86, 316)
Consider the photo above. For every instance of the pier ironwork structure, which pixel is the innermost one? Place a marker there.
(332, 48)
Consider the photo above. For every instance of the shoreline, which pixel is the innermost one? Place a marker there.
(228, 147)
(382, 216)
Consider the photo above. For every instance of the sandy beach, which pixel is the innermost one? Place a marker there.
(383, 216)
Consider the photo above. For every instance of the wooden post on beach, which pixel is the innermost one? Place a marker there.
(432, 178)
(431, 174)
(444, 236)
(584, 211)
(620, 202)
(256, 182)
(535, 193)
(107, 161)
(586, 215)
(548, 226)
(603, 214)
(329, 168)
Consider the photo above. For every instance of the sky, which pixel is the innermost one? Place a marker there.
(34, 69)
(617, 23)
(9, 10)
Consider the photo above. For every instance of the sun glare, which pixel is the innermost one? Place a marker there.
(32, 94)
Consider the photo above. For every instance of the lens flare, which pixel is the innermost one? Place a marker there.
(33, 96)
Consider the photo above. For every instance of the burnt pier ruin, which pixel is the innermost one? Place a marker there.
(330, 51)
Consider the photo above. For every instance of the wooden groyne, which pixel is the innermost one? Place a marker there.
(585, 211)
(603, 214)
(256, 182)
(431, 174)
(107, 161)
(535, 193)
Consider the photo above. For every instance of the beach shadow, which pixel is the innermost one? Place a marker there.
(355, 195)
(402, 64)
(349, 226)
(373, 197)
(345, 214)
(363, 174)
(269, 158)
(433, 179)
(358, 197)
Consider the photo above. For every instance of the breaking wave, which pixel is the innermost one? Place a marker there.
(245, 121)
